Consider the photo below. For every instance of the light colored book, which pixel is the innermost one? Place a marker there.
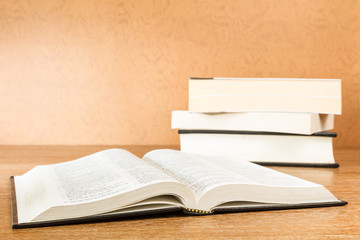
(265, 95)
(115, 183)
(270, 149)
(298, 123)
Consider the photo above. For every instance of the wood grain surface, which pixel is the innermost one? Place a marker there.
(319, 223)
(111, 71)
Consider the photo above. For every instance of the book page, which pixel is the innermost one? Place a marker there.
(99, 176)
(202, 173)
(193, 171)
(258, 174)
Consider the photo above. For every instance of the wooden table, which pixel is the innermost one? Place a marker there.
(334, 222)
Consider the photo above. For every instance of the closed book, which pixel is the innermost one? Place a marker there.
(297, 123)
(266, 148)
(265, 95)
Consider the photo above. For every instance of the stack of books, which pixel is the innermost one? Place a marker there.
(270, 121)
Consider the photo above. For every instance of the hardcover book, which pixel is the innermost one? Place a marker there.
(114, 184)
(265, 95)
(297, 123)
(265, 148)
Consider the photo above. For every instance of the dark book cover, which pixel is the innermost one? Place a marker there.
(317, 134)
(201, 78)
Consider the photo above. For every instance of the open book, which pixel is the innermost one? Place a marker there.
(115, 183)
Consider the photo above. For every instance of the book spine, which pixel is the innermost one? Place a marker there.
(197, 212)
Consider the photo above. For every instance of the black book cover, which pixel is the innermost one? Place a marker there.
(201, 78)
(317, 134)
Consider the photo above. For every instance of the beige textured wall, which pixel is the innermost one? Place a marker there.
(111, 71)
